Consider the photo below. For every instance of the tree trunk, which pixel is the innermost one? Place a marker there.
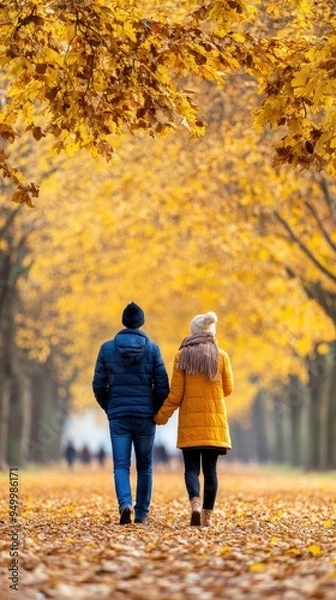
(20, 419)
(240, 447)
(278, 417)
(330, 438)
(38, 442)
(48, 416)
(5, 389)
(295, 400)
(6, 353)
(260, 427)
(55, 421)
(316, 371)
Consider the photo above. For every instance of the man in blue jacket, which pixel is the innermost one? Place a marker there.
(130, 383)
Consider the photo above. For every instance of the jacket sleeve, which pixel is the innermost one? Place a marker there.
(227, 376)
(100, 381)
(175, 397)
(160, 380)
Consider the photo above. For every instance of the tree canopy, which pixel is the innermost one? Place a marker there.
(190, 222)
(83, 72)
(186, 233)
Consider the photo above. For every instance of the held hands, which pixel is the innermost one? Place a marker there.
(160, 420)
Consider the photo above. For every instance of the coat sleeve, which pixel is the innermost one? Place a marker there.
(160, 380)
(175, 397)
(100, 381)
(227, 376)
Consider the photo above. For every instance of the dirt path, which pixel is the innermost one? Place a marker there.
(273, 536)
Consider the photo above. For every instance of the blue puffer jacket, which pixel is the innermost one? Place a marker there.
(130, 377)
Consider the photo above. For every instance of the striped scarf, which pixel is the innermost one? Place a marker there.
(199, 355)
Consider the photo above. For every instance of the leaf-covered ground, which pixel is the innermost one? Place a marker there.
(273, 536)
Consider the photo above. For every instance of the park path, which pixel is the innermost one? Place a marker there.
(273, 536)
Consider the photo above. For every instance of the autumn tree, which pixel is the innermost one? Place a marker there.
(82, 73)
(25, 363)
(10, 265)
(189, 223)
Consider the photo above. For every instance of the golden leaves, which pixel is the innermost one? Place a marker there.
(94, 70)
(299, 96)
(108, 63)
(72, 545)
(204, 198)
(314, 549)
(25, 192)
(7, 132)
(3, 156)
(258, 567)
(23, 196)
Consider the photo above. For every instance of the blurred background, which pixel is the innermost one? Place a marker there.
(180, 226)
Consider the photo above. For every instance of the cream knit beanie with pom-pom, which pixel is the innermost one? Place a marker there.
(204, 323)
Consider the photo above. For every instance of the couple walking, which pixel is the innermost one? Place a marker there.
(131, 385)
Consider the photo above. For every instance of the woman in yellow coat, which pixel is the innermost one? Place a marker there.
(202, 378)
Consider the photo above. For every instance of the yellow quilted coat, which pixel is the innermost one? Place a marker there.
(202, 416)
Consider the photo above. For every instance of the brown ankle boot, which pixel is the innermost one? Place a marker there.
(195, 511)
(206, 517)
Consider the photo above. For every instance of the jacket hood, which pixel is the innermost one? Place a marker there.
(130, 345)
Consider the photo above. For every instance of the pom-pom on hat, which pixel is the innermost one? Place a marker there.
(133, 316)
(204, 323)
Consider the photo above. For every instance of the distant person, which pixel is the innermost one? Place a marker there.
(130, 383)
(70, 454)
(160, 454)
(101, 456)
(85, 455)
(202, 378)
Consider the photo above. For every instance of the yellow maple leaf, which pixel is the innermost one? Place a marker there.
(314, 549)
(258, 567)
(327, 522)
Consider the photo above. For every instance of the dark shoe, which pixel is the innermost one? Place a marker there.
(125, 516)
(139, 520)
(195, 511)
(195, 518)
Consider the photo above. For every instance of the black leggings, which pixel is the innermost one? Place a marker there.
(192, 463)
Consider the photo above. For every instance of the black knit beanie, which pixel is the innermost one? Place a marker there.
(133, 316)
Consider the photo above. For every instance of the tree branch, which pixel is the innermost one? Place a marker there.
(322, 182)
(315, 291)
(9, 220)
(321, 226)
(304, 248)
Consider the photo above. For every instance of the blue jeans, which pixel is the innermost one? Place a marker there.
(137, 432)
